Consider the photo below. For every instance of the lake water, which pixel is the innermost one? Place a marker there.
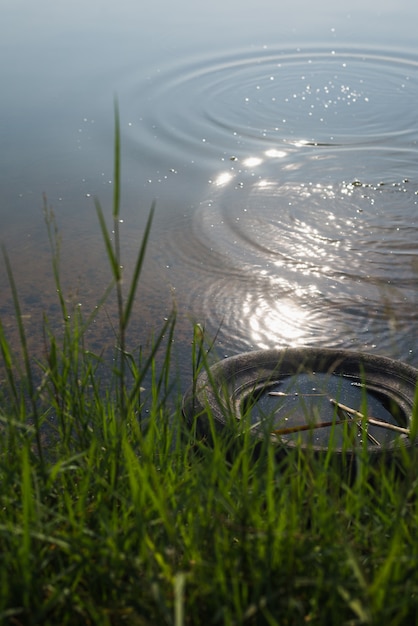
(279, 140)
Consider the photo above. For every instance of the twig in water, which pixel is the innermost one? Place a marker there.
(300, 427)
(294, 394)
(370, 420)
(360, 426)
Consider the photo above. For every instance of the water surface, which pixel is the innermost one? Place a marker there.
(280, 144)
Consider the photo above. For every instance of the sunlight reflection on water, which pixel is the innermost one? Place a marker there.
(286, 263)
(284, 171)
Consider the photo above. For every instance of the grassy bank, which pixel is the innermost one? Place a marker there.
(111, 512)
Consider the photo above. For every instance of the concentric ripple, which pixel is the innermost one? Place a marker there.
(303, 264)
(307, 232)
(284, 99)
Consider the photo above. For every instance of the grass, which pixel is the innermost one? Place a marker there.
(112, 512)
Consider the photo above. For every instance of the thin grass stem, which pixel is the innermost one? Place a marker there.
(26, 358)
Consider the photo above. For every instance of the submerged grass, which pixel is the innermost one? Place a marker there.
(110, 514)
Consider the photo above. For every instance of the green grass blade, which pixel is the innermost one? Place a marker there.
(26, 358)
(113, 261)
(137, 271)
(116, 165)
(8, 365)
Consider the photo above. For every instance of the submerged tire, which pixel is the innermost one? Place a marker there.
(233, 388)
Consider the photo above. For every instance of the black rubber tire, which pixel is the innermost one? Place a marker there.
(221, 392)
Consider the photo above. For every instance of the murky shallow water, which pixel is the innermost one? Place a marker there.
(304, 400)
(284, 169)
